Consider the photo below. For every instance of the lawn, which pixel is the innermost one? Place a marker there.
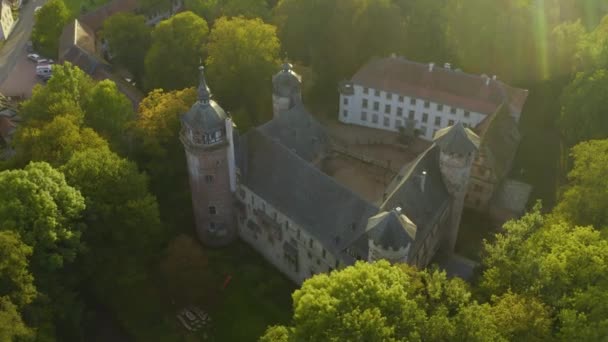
(257, 296)
(78, 7)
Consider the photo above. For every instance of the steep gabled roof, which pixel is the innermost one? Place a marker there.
(389, 231)
(331, 213)
(419, 200)
(450, 87)
(299, 131)
(499, 141)
(457, 139)
(77, 46)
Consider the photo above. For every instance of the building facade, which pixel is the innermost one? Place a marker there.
(278, 200)
(6, 19)
(395, 94)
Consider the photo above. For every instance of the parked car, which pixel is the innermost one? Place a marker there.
(34, 57)
(45, 70)
(45, 61)
(37, 9)
(29, 46)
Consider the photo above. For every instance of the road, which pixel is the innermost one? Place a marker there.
(14, 47)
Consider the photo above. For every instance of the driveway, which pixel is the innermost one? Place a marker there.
(14, 48)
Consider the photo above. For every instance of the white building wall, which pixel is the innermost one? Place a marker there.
(311, 260)
(6, 20)
(400, 107)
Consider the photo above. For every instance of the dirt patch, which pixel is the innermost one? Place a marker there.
(21, 79)
(366, 180)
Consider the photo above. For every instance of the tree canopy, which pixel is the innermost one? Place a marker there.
(39, 205)
(129, 38)
(242, 57)
(175, 52)
(48, 25)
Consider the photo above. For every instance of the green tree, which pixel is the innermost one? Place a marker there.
(44, 210)
(11, 323)
(583, 102)
(565, 45)
(562, 265)
(128, 37)
(585, 199)
(55, 142)
(107, 110)
(175, 52)
(48, 25)
(120, 213)
(243, 55)
(593, 47)
(380, 302)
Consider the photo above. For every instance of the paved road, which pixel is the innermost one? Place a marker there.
(14, 47)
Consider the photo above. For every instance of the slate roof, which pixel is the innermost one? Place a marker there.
(446, 86)
(422, 207)
(331, 213)
(299, 131)
(388, 230)
(457, 139)
(77, 46)
(205, 113)
(499, 141)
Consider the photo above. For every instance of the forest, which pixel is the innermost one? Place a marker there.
(95, 208)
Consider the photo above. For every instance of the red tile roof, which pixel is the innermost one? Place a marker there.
(447, 86)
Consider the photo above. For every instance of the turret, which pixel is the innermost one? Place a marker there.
(458, 146)
(207, 136)
(390, 235)
(286, 90)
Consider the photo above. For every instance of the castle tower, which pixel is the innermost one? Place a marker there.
(207, 137)
(458, 148)
(390, 235)
(286, 90)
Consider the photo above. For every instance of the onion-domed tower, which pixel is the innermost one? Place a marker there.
(286, 90)
(207, 135)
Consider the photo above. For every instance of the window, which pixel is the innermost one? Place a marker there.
(364, 103)
(413, 102)
(298, 234)
(422, 130)
(401, 98)
(345, 113)
(439, 107)
(363, 116)
(346, 100)
(453, 110)
(467, 114)
(425, 117)
(309, 255)
(427, 104)
(208, 179)
(286, 225)
(387, 122)
(411, 115)
(212, 210)
(318, 262)
(337, 263)
(366, 90)
(477, 187)
(387, 109)
(376, 105)
(450, 122)
(437, 121)
(375, 118)
(310, 243)
(211, 225)
(398, 123)
(399, 111)
(377, 93)
(389, 96)
(324, 253)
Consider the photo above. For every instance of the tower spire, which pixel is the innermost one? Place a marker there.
(203, 90)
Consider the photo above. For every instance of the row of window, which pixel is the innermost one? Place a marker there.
(413, 101)
(399, 110)
(399, 123)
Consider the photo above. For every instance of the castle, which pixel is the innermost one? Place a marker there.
(266, 187)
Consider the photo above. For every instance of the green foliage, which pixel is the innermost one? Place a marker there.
(583, 102)
(49, 23)
(243, 56)
(380, 302)
(107, 110)
(566, 41)
(585, 199)
(11, 323)
(44, 210)
(55, 142)
(129, 38)
(213, 9)
(176, 50)
(120, 213)
(16, 282)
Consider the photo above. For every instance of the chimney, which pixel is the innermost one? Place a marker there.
(447, 66)
(398, 210)
(431, 66)
(422, 180)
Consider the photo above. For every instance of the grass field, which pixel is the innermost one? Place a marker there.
(256, 297)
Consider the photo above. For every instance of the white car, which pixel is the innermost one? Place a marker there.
(37, 9)
(45, 61)
(34, 57)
